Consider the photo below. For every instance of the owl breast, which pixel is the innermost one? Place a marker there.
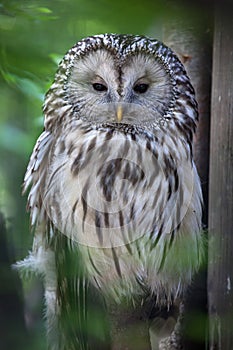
(109, 189)
(98, 197)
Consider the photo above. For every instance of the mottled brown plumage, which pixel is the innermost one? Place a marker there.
(113, 180)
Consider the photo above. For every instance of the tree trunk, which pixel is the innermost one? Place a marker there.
(192, 41)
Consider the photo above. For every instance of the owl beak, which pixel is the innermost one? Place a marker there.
(119, 113)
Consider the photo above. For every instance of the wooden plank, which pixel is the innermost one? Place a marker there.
(220, 269)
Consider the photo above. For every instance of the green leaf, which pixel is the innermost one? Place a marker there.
(44, 10)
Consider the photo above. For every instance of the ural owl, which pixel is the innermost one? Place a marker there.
(115, 198)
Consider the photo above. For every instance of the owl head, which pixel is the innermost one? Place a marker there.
(121, 80)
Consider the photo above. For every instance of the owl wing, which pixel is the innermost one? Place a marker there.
(52, 257)
(35, 175)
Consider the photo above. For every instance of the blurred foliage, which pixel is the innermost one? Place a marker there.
(34, 37)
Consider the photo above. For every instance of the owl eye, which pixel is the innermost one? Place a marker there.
(141, 88)
(99, 87)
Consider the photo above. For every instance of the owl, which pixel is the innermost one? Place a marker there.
(115, 198)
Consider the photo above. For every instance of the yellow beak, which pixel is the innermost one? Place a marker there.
(119, 113)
